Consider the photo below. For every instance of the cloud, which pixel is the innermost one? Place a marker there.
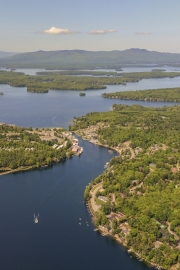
(101, 32)
(59, 31)
(143, 33)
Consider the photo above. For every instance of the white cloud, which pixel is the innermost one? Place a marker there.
(143, 33)
(101, 32)
(59, 31)
(111, 31)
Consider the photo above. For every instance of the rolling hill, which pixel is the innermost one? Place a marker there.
(76, 59)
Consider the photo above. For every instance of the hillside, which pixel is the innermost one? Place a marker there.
(6, 54)
(76, 59)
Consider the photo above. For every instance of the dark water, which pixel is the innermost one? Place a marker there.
(57, 241)
(56, 193)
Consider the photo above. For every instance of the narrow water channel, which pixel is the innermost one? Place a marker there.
(64, 237)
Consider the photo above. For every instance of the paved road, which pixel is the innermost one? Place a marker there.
(95, 207)
(171, 232)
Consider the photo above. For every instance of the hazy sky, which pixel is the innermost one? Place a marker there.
(29, 25)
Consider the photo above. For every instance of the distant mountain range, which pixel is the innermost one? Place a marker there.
(76, 59)
(6, 54)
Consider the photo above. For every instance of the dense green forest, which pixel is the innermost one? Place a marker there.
(142, 184)
(80, 72)
(41, 84)
(24, 148)
(166, 94)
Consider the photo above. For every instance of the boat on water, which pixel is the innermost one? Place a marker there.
(36, 218)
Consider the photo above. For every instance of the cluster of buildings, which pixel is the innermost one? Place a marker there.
(57, 147)
(75, 148)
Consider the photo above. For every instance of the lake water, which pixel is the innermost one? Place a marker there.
(58, 108)
(30, 71)
(58, 241)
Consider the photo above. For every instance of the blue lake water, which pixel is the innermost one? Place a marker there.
(58, 241)
(58, 108)
(30, 71)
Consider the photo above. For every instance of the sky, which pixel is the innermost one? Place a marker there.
(93, 25)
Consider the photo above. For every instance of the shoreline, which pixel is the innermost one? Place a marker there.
(30, 168)
(98, 143)
(76, 150)
(17, 170)
(103, 230)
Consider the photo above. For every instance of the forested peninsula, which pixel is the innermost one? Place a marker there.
(59, 81)
(166, 95)
(27, 148)
(137, 198)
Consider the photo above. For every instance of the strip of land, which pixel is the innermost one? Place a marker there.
(58, 81)
(136, 199)
(27, 148)
(165, 95)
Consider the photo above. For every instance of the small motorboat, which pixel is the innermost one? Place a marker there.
(36, 218)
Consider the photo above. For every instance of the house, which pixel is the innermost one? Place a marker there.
(103, 198)
(60, 146)
(55, 146)
(74, 150)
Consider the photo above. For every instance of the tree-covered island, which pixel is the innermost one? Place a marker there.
(137, 198)
(166, 95)
(27, 148)
(59, 81)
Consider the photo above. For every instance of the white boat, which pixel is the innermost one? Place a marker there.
(36, 218)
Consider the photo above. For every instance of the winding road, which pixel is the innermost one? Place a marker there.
(95, 207)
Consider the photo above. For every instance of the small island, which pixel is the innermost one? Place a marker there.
(82, 94)
(64, 81)
(1, 93)
(158, 70)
